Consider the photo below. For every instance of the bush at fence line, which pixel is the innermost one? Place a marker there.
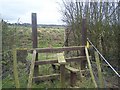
(22, 55)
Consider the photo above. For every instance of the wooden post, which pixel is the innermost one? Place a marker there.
(101, 82)
(62, 62)
(90, 67)
(72, 79)
(84, 41)
(34, 38)
(62, 75)
(15, 71)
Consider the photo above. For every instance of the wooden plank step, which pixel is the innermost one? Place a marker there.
(46, 77)
(56, 64)
(71, 69)
(61, 58)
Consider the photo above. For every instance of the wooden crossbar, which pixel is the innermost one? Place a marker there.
(73, 59)
(57, 49)
(46, 77)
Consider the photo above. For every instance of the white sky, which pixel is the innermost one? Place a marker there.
(47, 11)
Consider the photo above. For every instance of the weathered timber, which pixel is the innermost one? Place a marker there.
(90, 67)
(46, 77)
(57, 49)
(34, 39)
(71, 69)
(73, 75)
(31, 70)
(61, 58)
(62, 75)
(34, 30)
(15, 71)
(73, 59)
(83, 41)
(56, 64)
(101, 82)
(62, 62)
(72, 79)
(84, 33)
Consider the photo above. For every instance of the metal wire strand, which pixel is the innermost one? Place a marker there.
(104, 58)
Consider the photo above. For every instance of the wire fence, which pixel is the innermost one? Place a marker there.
(104, 59)
(110, 74)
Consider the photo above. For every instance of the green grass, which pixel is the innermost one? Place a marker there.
(8, 82)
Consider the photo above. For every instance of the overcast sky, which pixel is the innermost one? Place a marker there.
(47, 11)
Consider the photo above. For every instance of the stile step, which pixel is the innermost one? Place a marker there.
(46, 77)
(71, 69)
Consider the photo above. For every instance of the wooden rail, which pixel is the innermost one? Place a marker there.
(73, 59)
(46, 77)
(57, 49)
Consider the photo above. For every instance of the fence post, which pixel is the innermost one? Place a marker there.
(90, 68)
(101, 82)
(62, 62)
(83, 41)
(34, 38)
(62, 75)
(15, 71)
